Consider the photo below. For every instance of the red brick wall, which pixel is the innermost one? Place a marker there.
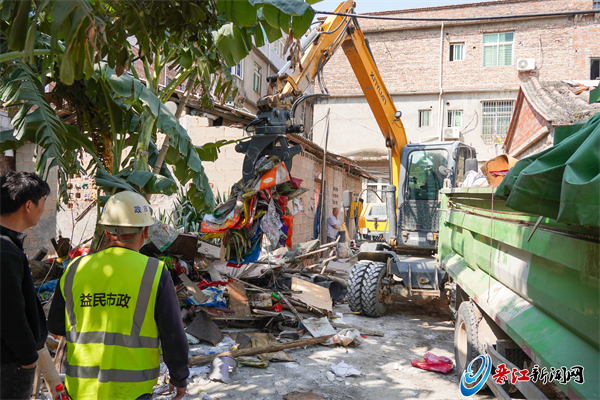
(409, 59)
(528, 124)
(6, 163)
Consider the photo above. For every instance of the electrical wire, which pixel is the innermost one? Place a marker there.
(494, 17)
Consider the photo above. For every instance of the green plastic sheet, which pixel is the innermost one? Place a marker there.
(562, 182)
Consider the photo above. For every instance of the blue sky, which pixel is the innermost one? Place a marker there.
(387, 5)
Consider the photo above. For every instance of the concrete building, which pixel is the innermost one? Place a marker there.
(458, 74)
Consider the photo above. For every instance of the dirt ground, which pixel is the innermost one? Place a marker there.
(384, 363)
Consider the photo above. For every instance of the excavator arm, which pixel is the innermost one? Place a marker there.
(286, 91)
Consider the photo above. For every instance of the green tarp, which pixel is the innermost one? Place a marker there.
(562, 182)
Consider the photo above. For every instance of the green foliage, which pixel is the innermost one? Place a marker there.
(81, 47)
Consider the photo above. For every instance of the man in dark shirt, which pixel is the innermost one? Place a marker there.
(23, 331)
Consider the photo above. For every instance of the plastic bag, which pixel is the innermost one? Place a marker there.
(215, 298)
(431, 362)
(163, 235)
(271, 226)
(343, 370)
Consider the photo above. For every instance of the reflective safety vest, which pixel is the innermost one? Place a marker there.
(112, 338)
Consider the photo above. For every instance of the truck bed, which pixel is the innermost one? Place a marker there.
(543, 290)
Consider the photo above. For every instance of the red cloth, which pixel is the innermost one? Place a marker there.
(204, 284)
(431, 362)
(288, 220)
(80, 251)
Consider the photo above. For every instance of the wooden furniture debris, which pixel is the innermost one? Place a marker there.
(313, 295)
(192, 288)
(205, 359)
(238, 301)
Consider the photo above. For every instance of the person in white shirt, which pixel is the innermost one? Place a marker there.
(333, 225)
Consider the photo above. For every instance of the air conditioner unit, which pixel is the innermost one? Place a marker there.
(525, 64)
(452, 133)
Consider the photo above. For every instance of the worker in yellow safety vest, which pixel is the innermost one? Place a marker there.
(115, 307)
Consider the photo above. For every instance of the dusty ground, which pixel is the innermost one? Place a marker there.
(384, 363)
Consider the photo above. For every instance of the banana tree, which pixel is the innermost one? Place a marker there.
(75, 52)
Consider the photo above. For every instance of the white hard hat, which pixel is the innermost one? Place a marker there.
(127, 209)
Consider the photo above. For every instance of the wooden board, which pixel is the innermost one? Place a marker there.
(238, 301)
(313, 295)
(193, 289)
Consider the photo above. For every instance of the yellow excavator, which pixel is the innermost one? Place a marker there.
(401, 260)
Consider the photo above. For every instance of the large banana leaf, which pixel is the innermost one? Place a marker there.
(188, 165)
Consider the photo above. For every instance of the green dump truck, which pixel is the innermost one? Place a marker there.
(526, 285)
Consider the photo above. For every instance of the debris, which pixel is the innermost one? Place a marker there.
(344, 370)
(253, 362)
(197, 371)
(194, 290)
(204, 328)
(431, 362)
(311, 294)
(349, 338)
(398, 367)
(364, 331)
(238, 301)
(221, 367)
(330, 376)
(319, 327)
(201, 360)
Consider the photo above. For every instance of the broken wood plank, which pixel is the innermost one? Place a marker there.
(313, 295)
(310, 254)
(205, 359)
(366, 331)
(238, 301)
(193, 289)
(292, 309)
(326, 261)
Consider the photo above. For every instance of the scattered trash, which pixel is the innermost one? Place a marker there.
(319, 327)
(203, 395)
(197, 371)
(344, 370)
(253, 362)
(302, 396)
(349, 338)
(330, 376)
(398, 367)
(221, 367)
(431, 362)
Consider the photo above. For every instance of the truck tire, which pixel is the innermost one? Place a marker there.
(355, 285)
(374, 290)
(466, 341)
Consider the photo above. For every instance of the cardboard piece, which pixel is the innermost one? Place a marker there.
(496, 168)
(311, 294)
(192, 288)
(203, 328)
(238, 301)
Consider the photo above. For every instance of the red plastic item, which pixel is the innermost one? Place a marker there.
(204, 284)
(277, 307)
(60, 393)
(431, 362)
(80, 251)
(288, 220)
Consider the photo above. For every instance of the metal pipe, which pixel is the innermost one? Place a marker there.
(323, 219)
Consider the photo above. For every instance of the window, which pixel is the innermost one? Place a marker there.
(455, 118)
(237, 70)
(424, 118)
(457, 52)
(257, 78)
(497, 49)
(595, 68)
(496, 117)
(279, 47)
(424, 176)
(596, 4)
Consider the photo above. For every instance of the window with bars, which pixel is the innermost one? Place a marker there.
(496, 117)
(457, 51)
(257, 78)
(595, 67)
(237, 70)
(498, 49)
(596, 4)
(424, 118)
(455, 118)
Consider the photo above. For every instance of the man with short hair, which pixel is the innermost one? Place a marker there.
(333, 225)
(23, 332)
(114, 306)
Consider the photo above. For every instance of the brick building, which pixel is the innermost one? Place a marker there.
(459, 74)
(541, 107)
